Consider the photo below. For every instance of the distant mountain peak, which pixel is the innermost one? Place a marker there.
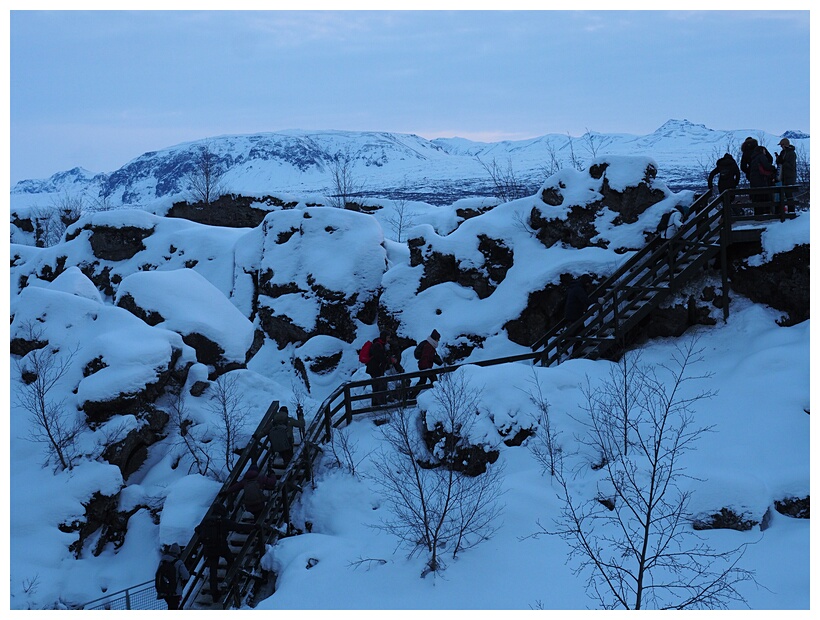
(795, 134)
(680, 125)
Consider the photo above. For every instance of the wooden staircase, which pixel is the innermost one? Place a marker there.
(640, 285)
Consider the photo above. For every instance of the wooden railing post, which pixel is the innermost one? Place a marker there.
(725, 237)
(348, 406)
(328, 423)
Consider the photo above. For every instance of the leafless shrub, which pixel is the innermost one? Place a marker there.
(204, 179)
(506, 184)
(344, 451)
(400, 218)
(194, 444)
(344, 182)
(634, 540)
(231, 413)
(544, 446)
(574, 160)
(592, 143)
(52, 424)
(436, 508)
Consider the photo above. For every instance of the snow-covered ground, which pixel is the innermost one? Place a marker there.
(757, 452)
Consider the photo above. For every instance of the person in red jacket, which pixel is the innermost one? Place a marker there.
(427, 355)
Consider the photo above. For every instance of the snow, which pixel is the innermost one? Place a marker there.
(193, 306)
(745, 464)
(757, 452)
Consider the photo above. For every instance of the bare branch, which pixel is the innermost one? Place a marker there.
(634, 540)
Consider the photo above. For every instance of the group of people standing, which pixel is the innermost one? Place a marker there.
(385, 361)
(760, 168)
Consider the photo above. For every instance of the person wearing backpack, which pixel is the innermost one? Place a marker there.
(761, 174)
(746, 151)
(727, 172)
(787, 164)
(425, 352)
(213, 533)
(376, 366)
(170, 577)
(281, 435)
(252, 485)
(670, 222)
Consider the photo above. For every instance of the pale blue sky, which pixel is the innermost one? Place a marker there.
(97, 89)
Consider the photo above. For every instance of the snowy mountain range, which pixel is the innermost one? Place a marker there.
(389, 165)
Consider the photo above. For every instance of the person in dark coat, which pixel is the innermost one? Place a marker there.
(213, 532)
(761, 174)
(377, 366)
(727, 172)
(252, 484)
(428, 357)
(746, 152)
(394, 367)
(787, 163)
(577, 302)
(281, 434)
(182, 575)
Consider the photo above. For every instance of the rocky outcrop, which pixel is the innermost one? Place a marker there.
(781, 283)
(797, 507)
(576, 228)
(135, 401)
(118, 243)
(576, 231)
(101, 515)
(232, 210)
(544, 309)
(725, 519)
(300, 292)
(151, 317)
(185, 302)
(131, 452)
(440, 267)
(469, 459)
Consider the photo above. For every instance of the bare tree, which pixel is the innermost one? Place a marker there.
(634, 541)
(231, 412)
(194, 444)
(50, 222)
(344, 451)
(52, 424)
(574, 160)
(506, 184)
(544, 446)
(553, 164)
(103, 201)
(401, 218)
(803, 167)
(204, 179)
(344, 182)
(435, 507)
(592, 143)
(620, 396)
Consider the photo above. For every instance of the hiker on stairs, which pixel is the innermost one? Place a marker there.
(281, 435)
(213, 532)
(251, 485)
(377, 365)
(171, 576)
